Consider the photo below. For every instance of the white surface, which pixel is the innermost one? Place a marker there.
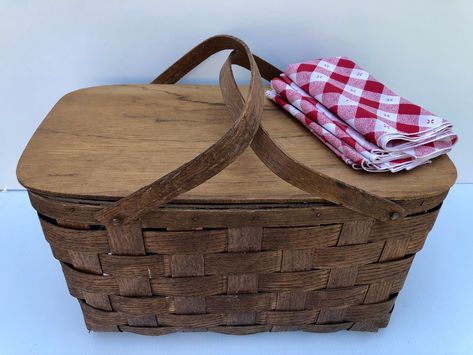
(422, 49)
(433, 313)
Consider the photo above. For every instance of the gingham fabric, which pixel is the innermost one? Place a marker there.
(358, 118)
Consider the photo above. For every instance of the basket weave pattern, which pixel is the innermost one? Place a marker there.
(331, 270)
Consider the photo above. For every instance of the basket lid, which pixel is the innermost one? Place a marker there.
(106, 142)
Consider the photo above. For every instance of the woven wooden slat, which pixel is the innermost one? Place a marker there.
(315, 278)
(249, 288)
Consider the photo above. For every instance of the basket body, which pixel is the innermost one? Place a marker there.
(237, 269)
(281, 236)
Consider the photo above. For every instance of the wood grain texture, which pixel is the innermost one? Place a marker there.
(107, 142)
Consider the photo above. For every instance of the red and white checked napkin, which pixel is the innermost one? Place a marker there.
(362, 121)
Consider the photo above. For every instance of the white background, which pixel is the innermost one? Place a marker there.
(422, 49)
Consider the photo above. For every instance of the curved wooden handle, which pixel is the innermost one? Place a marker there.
(291, 170)
(212, 160)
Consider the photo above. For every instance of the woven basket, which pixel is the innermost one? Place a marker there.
(322, 249)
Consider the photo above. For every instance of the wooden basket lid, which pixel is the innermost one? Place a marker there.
(106, 142)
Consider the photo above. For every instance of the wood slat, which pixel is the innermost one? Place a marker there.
(148, 266)
(139, 305)
(290, 281)
(241, 330)
(78, 281)
(188, 305)
(387, 271)
(244, 239)
(349, 255)
(191, 321)
(336, 297)
(239, 303)
(291, 301)
(189, 286)
(369, 311)
(242, 263)
(287, 317)
(185, 242)
(300, 238)
(91, 241)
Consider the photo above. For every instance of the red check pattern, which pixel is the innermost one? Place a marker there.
(362, 121)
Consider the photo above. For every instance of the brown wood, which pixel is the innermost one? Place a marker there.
(120, 138)
(242, 252)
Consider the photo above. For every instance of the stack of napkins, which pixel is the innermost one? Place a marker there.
(358, 118)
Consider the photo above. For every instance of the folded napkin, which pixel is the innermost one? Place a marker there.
(358, 118)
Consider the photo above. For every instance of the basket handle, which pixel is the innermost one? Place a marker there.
(293, 171)
(246, 130)
(213, 159)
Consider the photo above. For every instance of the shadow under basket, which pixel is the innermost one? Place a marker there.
(282, 236)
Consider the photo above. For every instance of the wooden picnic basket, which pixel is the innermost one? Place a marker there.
(286, 237)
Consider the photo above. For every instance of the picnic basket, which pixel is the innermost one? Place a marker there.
(164, 221)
